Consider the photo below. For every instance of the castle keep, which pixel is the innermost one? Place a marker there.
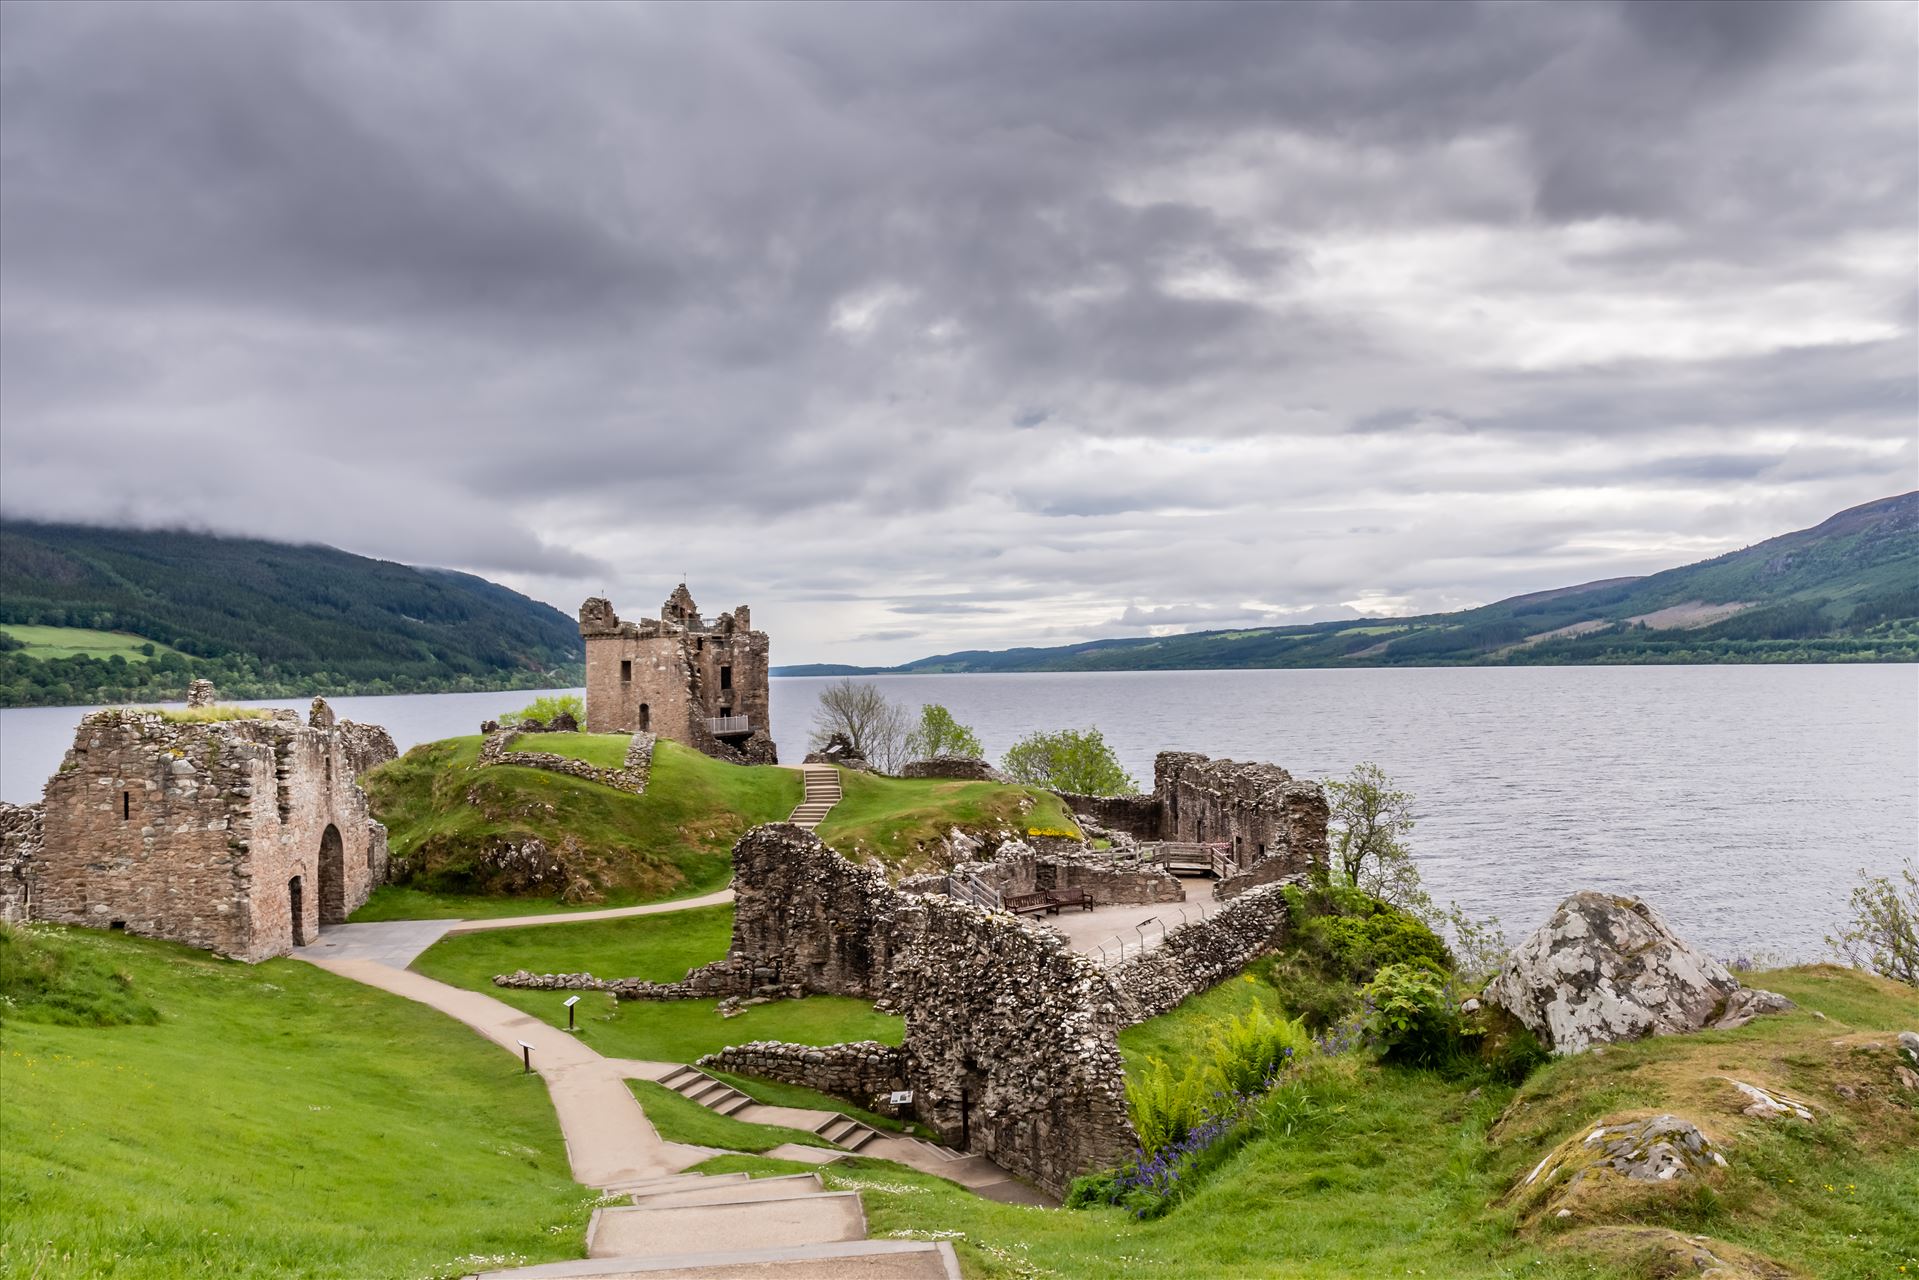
(243, 836)
(702, 684)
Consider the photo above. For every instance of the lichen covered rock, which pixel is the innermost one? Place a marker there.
(1607, 968)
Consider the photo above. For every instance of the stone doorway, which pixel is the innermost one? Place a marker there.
(297, 908)
(332, 877)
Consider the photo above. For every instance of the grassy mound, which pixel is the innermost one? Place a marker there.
(901, 821)
(602, 750)
(44, 977)
(658, 948)
(451, 825)
(274, 1121)
(1360, 1168)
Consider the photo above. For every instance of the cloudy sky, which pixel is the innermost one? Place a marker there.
(930, 327)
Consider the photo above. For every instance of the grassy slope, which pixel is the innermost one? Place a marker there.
(680, 1119)
(68, 642)
(441, 811)
(605, 750)
(276, 1121)
(1397, 1172)
(658, 948)
(899, 819)
(1180, 1032)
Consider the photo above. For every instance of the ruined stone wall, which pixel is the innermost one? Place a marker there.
(1268, 871)
(865, 1071)
(971, 768)
(631, 776)
(1011, 1046)
(1257, 810)
(197, 832)
(809, 915)
(1106, 883)
(1138, 816)
(1197, 956)
(21, 840)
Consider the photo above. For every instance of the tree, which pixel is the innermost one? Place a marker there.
(1068, 761)
(1884, 932)
(938, 734)
(874, 726)
(1371, 818)
(545, 709)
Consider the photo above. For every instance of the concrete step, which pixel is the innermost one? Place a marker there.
(847, 1133)
(822, 1218)
(733, 1105)
(780, 1188)
(849, 1260)
(639, 1185)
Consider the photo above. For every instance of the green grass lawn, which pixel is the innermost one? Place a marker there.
(274, 1121)
(660, 949)
(680, 1119)
(604, 750)
(443, 813)
(73, 642)
(899, 820)
(1179, 1033)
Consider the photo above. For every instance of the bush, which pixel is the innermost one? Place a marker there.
(1308, 994)
(1069, 760)
(546, 709)
(1412, 1017)
(1350, 934)
(1884, 932)
(1239, 1060)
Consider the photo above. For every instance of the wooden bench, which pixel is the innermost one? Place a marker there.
(1030, 904)
(1069, 898)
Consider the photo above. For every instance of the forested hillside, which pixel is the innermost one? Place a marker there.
(1846, 590)
(109, 615)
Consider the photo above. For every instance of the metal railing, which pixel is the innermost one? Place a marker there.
(1148, 933)
(729, 724)
(970, 888)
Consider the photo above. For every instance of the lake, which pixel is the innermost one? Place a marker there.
(1739, 801)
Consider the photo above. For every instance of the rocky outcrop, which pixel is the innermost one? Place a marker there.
(1607, 968)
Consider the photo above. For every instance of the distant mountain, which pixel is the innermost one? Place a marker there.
(261, 619)
(1846, 590)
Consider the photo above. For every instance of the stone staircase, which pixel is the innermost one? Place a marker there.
(714, 1095)
(709, 1226)
(822, 793)
(847, 1133)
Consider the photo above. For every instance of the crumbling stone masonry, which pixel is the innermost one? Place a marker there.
(20, 843)
(241, 836)
(1203, 953)
(701, 684)
(1258, 811)
(498, 748)
(866, 1069)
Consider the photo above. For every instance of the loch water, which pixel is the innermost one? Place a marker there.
(1742, 801)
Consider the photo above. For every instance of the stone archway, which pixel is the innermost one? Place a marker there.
(332, 877)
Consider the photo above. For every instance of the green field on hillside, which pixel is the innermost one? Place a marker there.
(1370, 1170)
(272, 1120)
(900, 820)
(73, 642)
(449, 821)
(658, 948)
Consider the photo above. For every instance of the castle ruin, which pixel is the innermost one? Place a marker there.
(702, 684)
(242, 836)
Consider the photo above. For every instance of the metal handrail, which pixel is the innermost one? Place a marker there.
(729, 724)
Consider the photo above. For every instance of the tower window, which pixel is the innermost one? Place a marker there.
(726, 677)
(626, 671)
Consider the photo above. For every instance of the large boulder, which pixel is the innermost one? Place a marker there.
(1607, 968)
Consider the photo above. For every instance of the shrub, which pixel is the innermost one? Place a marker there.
(938, 734)
(1350, 934)
(1240, 1057)
(1884, 932)
(1315, 999)
(1245, 1052)
(1412, 1017)
(547, 708)
(1068, 761)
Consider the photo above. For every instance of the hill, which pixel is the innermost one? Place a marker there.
(111, 615)
(1846, 590)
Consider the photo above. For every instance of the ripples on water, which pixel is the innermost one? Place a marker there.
(1740, 801)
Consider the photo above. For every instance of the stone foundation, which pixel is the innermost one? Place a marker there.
(631, 776)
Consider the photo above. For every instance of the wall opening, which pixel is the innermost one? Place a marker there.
(126, 805)
(332, 876)
(646, 717)
(296, 908)
(726, 677)
(626, 671)
(118, 926)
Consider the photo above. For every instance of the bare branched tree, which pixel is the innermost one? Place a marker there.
(861, 714)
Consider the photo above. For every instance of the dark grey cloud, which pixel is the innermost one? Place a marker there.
(1016, 317)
